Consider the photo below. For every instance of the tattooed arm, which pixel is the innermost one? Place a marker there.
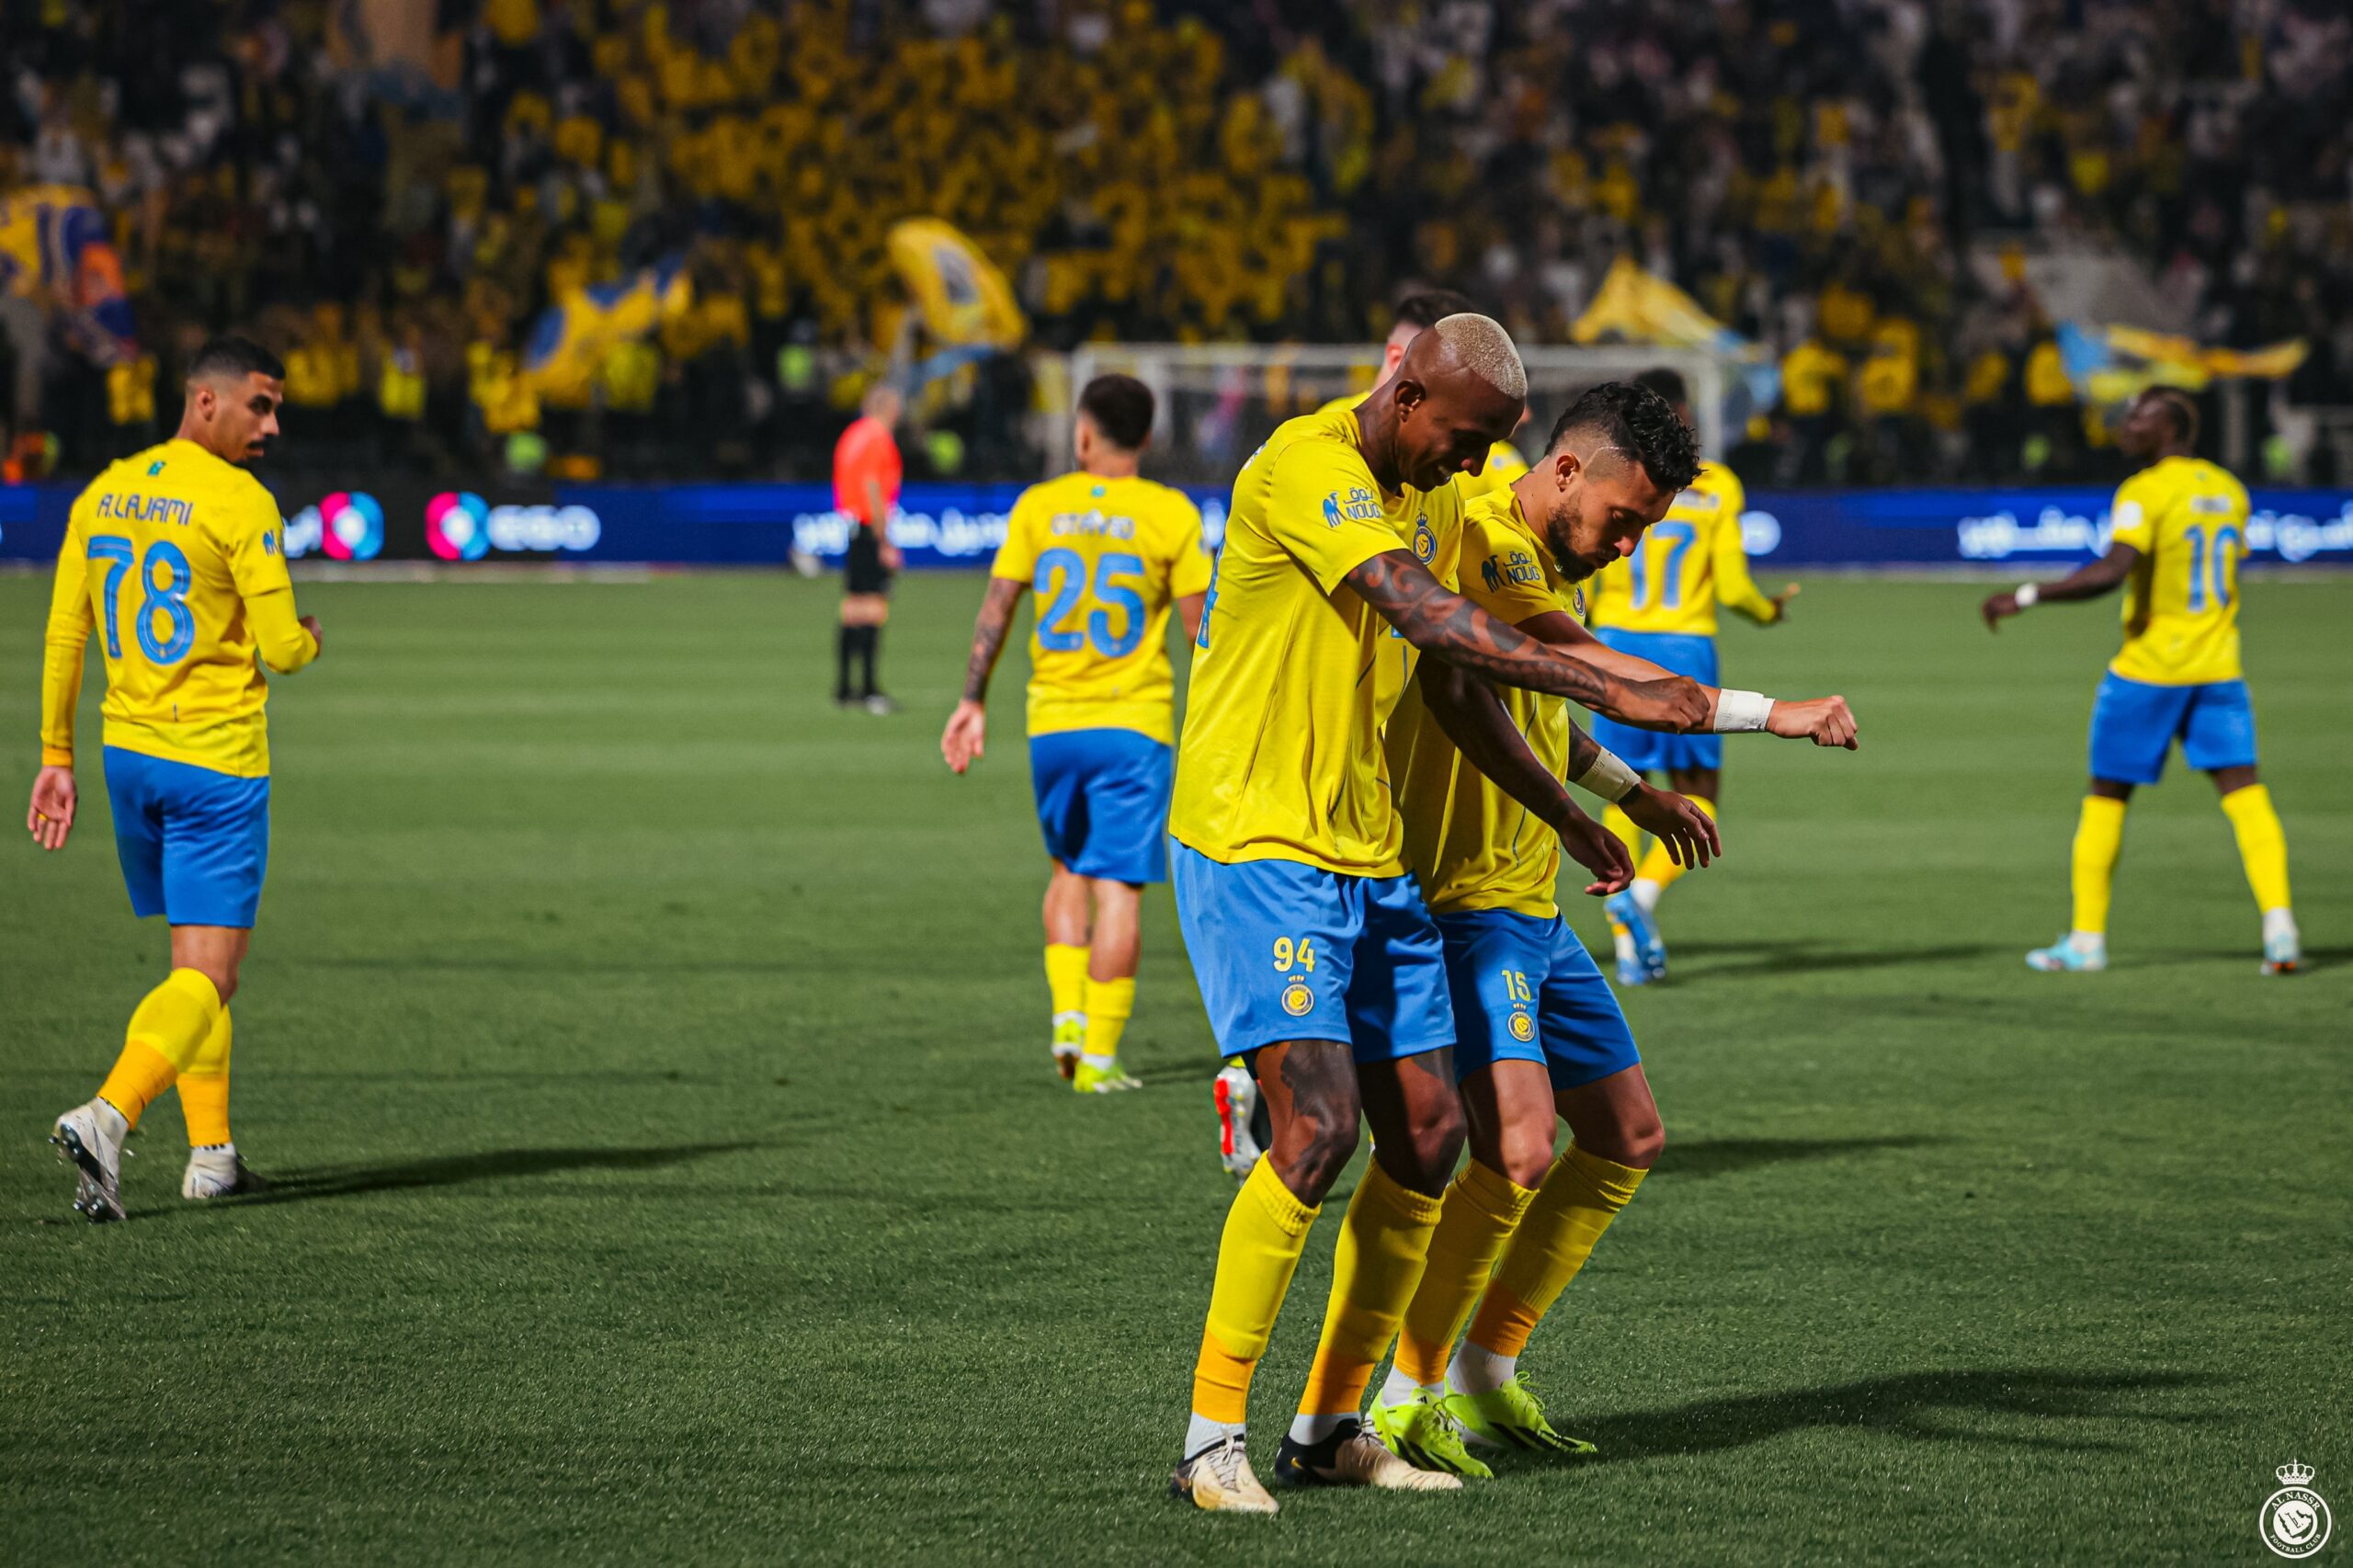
(967, 733)
(1440, 621)
(1466, 708)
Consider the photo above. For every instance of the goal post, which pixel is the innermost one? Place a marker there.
(1216, 402)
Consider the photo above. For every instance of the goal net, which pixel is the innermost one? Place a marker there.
(1216, 403)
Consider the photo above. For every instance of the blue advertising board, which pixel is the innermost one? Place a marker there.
(397, 517)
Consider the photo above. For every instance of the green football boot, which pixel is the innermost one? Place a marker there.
(1512, 1417)
(1070, 1038)
(1092, 1080)
(1419, 1431)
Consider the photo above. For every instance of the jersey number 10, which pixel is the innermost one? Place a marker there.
(168, 598)
(1119, 583)
(2213, 566)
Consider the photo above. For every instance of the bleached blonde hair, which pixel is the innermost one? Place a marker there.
(1483, 348)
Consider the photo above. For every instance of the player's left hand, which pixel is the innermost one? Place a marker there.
(1599, 850)
(1781, 603)
(966, 735)
(1688, 832)
(50, 818)
(1998, 609)
(1824, 720)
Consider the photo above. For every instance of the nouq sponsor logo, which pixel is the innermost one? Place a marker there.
(1760, 533)
(545, 529)
(345, 526)
(457, 526)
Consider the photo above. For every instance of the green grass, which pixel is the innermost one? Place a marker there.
(653, 1060)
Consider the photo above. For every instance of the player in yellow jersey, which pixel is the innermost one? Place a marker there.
(1659, 604)
(1317, 960)
(2178, 530)
(176, 556)
(1418, 312)
(1539, 1037)
(1108, 554)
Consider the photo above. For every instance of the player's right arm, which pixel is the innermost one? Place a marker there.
(49, 817)
(2130, 532)
(966, 736)
(1824, 720)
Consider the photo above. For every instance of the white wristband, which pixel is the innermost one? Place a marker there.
(2026, 595)
(1608, 777)
(1738, 712)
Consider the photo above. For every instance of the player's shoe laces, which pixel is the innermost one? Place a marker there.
(1352, 1456)
(89, 1137)
(219, 1173)
(2063, 957)
(1513, 1417)
(1237, 1095)
(1649, 962)
(1069, 1041)
(1419, 1431)
(1093, 1080)
(1220, 1478)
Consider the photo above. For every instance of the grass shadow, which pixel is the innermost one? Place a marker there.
(1922, 1405)
(1723, 1156)
(454, 1170)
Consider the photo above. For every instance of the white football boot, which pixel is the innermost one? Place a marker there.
(89, 1137)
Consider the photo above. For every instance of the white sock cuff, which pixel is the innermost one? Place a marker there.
(1201, 1432)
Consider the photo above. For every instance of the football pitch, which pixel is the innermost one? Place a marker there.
(652, 1061)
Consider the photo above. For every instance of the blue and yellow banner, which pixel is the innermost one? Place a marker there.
(963, 299)
(570, 341)
(2110, 364)
(56, 245)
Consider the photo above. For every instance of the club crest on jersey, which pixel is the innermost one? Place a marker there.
(1522, 1026)
(1425, 541)
(1298, 1000)
(1358, 505)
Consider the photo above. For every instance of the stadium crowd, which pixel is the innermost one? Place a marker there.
(390, 193)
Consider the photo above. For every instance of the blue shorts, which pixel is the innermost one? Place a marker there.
(1525, 990)
(1652, 751)
(2134, 724)
(1284, 950)
(193, 842)
(1103, 801)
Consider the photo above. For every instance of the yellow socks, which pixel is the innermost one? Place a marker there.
(1580, 1195)
(1384, 1241)
(2099, 834)
(2262, 846)
(1481, 1211)
(1619, 823)
(204, 1089)
(1108, 1003)
(1658, 868)
(1264, 1232)
(1066, 982)
(168, 1027)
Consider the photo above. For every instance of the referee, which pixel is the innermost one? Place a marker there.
(866, 489)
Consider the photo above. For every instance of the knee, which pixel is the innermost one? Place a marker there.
(1424, 1159)
(1524, 1154)
(224, 978)
(1637, 1141)
(1316, 1147)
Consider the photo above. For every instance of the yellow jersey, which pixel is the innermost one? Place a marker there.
(1504, 462)
(1470, 844)
(2187, 518)
(1107, 557)
(177, 558)
(1686, 563)
(1293, 674)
